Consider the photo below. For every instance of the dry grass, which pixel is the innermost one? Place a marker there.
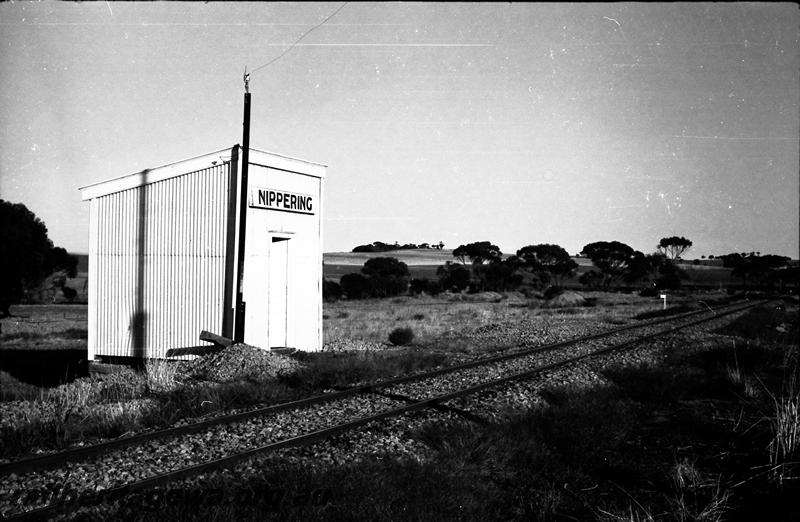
(784, 448)
(373, 320)
(698, 497)
(786, 428)
(445, 316)
(161, 375)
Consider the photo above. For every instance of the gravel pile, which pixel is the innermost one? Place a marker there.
(239, 362)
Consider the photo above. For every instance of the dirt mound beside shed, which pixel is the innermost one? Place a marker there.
(239, 362)
(566, 299)
(478, 297)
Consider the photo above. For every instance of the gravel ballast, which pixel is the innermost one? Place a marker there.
(390, 436)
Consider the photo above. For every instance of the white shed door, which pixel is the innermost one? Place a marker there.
(278, 292)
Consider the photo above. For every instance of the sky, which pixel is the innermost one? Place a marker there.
(516, 123)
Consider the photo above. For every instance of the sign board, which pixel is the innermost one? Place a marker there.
(274, 199)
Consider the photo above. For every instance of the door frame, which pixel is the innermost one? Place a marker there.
(278, 237)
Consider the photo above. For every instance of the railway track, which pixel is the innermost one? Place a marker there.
(35, 487)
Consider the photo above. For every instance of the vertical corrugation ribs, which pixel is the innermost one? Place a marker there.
(182, 239)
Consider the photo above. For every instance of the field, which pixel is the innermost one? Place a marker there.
(44, 344)
(423, 264)
(706, 430)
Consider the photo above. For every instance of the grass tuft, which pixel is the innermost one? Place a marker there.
(161, 375)
(784, 447)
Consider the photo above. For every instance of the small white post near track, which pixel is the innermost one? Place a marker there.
(664, 297)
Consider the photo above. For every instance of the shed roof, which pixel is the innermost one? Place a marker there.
(179, 168)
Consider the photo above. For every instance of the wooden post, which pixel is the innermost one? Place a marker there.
(238, 334)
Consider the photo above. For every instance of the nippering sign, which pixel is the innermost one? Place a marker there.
(274, 199)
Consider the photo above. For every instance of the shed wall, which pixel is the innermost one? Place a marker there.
(157, 255)
(302, 310)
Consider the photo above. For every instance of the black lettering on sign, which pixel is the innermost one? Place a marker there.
(279, 200)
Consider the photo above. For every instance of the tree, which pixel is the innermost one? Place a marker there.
(550, 259)
(591, 279)
(500, 276)
(453, 276)
(387, 276)
(670, 275)
(660, 271)
(478, 253)
(612, 258)
(786, 276)
(762, 269)
(674, 247)
(642, 266)
(28, 254)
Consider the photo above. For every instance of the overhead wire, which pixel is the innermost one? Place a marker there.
(299, 39)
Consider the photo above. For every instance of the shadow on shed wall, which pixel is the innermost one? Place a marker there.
(138, 322)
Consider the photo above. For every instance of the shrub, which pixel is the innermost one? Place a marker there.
(424, 285)
(331, 290)
(69, 293)
(355, 286)
(401, 336)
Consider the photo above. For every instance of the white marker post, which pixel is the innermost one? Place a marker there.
(664, 297)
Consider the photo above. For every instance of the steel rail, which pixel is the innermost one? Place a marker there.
(315, 436)
(50, 460)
